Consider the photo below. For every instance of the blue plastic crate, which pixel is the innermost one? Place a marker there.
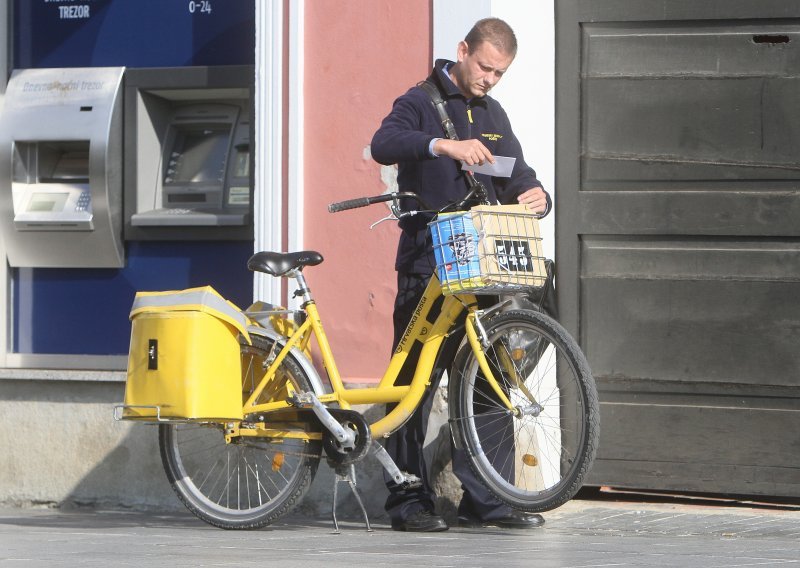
(455, 248)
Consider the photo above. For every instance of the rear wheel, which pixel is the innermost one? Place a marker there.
(251, 481)
(535, 457)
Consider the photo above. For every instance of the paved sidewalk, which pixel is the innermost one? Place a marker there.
(583, 533)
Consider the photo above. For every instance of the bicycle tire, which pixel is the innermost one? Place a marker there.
(250, 482)
(531, 462)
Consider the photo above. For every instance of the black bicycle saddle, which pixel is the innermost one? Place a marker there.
(279, 263)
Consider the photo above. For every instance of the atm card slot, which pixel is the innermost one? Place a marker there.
(179, 217)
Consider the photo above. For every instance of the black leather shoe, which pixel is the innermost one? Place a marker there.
(421, 521)
(514, 520)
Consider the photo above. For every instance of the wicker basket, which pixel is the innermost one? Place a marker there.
(491, 249)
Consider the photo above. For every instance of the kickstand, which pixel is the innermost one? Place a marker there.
(347, 473)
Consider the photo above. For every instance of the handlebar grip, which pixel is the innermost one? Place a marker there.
(349, 204)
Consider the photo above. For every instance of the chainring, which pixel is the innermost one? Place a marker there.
(338, 456)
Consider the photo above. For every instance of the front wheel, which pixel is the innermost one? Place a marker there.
(251, 481)
(536, 456)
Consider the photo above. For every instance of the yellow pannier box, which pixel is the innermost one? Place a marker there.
(184, 361)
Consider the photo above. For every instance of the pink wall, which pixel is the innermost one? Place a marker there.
(359, 56)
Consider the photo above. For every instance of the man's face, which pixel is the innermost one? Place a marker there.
(479, 71)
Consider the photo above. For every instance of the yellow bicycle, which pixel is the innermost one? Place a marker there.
(245, 417)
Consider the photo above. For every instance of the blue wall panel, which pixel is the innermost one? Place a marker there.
(133, 33)
(85, 311)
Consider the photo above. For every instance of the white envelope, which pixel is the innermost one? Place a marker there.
(502, 167)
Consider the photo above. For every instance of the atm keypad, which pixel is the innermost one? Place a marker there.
(84, 201)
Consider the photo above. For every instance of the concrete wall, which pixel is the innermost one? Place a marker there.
(60, 443)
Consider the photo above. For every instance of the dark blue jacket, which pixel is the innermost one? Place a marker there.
(404, 138)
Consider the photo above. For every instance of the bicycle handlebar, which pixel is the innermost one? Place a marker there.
(474, 194)
(349, 204)
(477, 192)
(364, 201)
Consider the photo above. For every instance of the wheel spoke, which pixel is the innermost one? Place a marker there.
(536, 456)
(241, 484)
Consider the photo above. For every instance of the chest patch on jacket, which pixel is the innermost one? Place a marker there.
(492, 137)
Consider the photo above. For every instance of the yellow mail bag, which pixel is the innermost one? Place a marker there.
(184, 361)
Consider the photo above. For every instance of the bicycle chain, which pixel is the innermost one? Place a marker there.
(288, 453)
(334, 455)
(266, 447)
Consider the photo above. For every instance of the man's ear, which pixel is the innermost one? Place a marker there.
(462, 51)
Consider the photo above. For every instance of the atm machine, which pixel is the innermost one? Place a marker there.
(60, 168)
(188, 173)
(204, 173)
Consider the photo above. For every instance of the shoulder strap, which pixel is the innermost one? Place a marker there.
(441, 107)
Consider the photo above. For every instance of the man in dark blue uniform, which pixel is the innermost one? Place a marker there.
(429, 164)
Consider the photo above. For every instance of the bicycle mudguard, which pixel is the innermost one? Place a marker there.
(298, 356)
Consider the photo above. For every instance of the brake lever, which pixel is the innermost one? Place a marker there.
(398, 212)
(390, 217)
(394, 216)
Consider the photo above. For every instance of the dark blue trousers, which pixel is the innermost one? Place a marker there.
(406, 445)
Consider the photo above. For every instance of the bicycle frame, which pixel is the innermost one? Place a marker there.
(407, 398)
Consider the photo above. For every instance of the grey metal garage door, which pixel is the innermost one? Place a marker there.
(677, 225)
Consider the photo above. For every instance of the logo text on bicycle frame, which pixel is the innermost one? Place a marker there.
(514, 255)
(409, 327)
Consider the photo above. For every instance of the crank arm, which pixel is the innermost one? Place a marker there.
(344, 436)
(401, 478)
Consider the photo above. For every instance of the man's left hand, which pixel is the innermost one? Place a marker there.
(535, 198)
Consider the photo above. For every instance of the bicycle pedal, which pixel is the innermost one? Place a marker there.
(301, 400)
(411, 481)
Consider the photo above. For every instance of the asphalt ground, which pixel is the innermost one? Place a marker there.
(620, 530)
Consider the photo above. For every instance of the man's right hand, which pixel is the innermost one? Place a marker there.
(469, 151)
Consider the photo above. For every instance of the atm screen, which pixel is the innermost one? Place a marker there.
(199, 156)
(47, 202)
